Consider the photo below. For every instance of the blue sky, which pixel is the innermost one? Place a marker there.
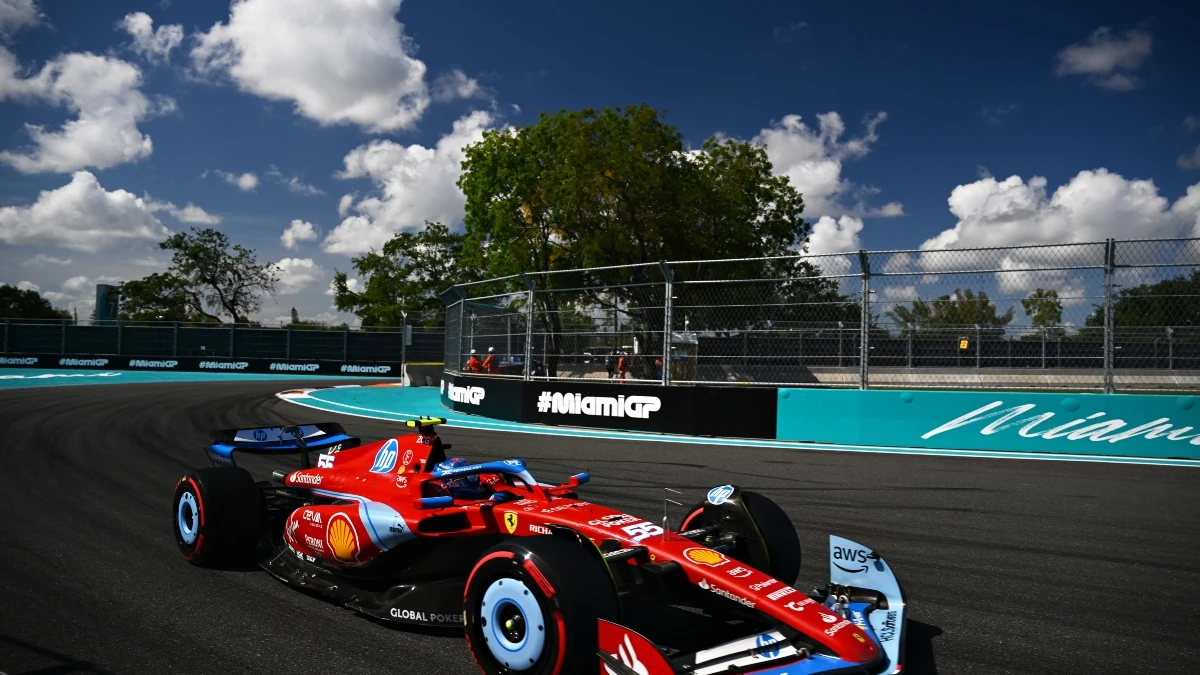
(320, 99)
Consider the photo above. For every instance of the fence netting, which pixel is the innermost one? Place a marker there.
(1117, 314)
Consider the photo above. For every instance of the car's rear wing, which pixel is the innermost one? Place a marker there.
(288, 440)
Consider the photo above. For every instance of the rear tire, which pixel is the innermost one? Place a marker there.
(531, 607)
(218, 515)
(778, 534)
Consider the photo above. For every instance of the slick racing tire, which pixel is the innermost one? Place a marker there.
(531, 606)
(217, 515)
(778, 535)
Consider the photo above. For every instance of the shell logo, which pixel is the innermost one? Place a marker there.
(342, 538)
(705, 556)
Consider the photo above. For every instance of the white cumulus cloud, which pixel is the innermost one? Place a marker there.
(297, 232)
(191, 213)
(17, 14)
(296, 274)
(415, 184)
(1190, 160)
(28, 286)
(831, 235)
(246, 182)
(1109, 61)
(82, 215)
(455, 85)
(41, 260)
(353, 285)
(812, 159)
(154, 45)
(337, 61)
(103, 93)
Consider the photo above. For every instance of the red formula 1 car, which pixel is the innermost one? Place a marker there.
(542, 581)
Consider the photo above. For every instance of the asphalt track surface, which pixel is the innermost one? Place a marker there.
(1010, 566)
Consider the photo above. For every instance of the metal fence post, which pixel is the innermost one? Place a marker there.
(529, 300)
(174, 339)
(978, 347)
(288, 348)
(232, 328)
(668, 305)
(1170, 348)
(910, 335)
(346, 342)
(120, 336)
(864, 321)
(62, 343)
(7, 325)
(1043, 347)
(1109, 264)
(841, 330)
(403, 339)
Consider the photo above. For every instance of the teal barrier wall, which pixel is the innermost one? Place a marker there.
(1093, 424)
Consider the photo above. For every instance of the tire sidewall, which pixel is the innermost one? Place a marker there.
(473, 618)
(192, 551)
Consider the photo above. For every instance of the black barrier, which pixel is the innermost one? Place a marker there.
(200, 364)
(744, 412)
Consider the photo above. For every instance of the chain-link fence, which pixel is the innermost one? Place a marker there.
(162, 339)
(1104, 316)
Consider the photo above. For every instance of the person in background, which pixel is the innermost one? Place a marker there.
(610, 362)
(658, 368)
(489, 362)
(622, 366)
(473, 363)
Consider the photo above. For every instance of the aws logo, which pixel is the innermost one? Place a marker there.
(856, 558)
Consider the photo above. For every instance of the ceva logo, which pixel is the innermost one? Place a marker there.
(471, 395)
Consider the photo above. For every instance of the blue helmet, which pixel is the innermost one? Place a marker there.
(461, 487)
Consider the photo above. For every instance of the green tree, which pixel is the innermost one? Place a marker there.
(406, 276)
(962, 309)
(295, 316)
(208, 278)
(17, 303)
(618, 187)
(1044, 307)
(1170, 302)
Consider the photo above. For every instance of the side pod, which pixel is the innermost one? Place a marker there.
(625, 652)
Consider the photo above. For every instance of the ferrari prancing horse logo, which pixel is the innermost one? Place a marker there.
(510, 522)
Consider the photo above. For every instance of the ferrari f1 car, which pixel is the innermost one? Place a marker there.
(543, 582)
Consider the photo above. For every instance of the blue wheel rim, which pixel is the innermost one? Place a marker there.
(187, 516)
(508, 603)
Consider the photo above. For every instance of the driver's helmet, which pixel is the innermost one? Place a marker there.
(461, 487)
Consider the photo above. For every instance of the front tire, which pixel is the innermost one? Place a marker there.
(217, 515)
(531, 607)
(778, 535)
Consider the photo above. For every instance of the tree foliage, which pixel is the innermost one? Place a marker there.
(17, 303)
(406, 276)
(963, 309)
(601, 188)
(1170, 302)
(208, 278)
(1044, 308)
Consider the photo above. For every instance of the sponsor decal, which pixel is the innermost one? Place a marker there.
(425, 617)
(46, 376)
(857, 618)
(461, 469)
(887, 630)
(799, 605)
(510, 522)
(628, 658)
(260, 435)
(858, 636)
(401, 480)
(719, 494)
(224, 365)
(705, 556)
(324, 461)
(23, 361)
(856, 558)
(306, 478)
(762, 644)
(218, 458)
(83, 362)
(380, 370)
(407, 459)
(572, 505)
(514, 462)
(342, 538)
(471, 395)
(612, 521)
(781, 593)
(385, 457)
(638, 407)
(295, 367)
(1094, 429)
(739, 572)
(833, 630)
(538, 529)
(763, 584)
(314, 543)
(708, 586)
(396, 528)
(641, 531)
(143, 363)
(293, 525)
(311, 516)
(828, 618)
